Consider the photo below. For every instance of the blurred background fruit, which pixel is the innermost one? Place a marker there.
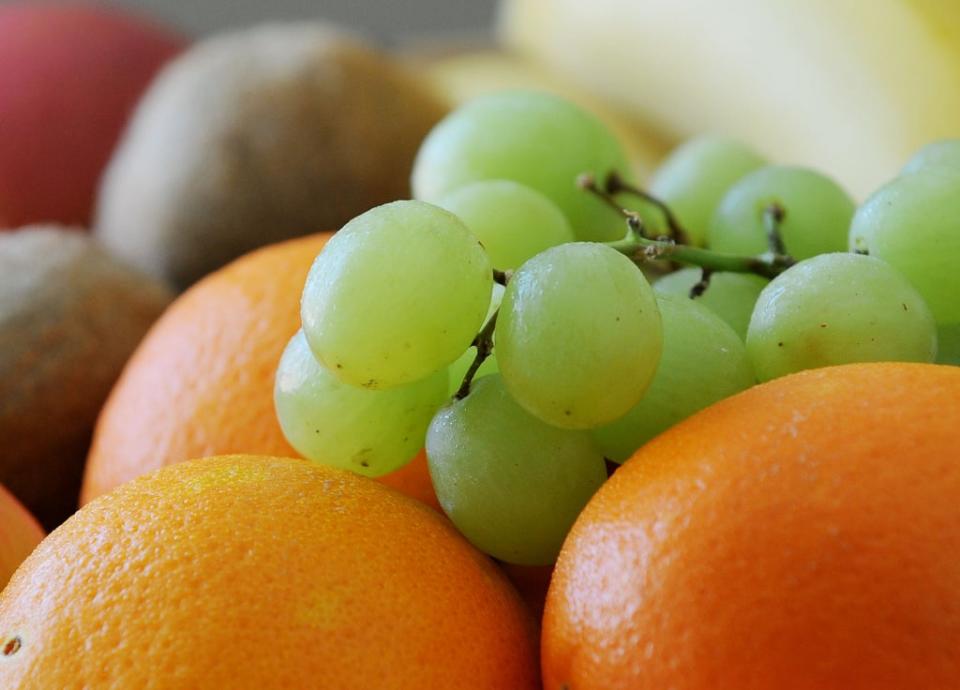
(70, 315)
(253, 572)
(19, 534)
(812, 82)
(70, 74)
(201, 383)
(800, 535)
(459, 75)
(257, 136)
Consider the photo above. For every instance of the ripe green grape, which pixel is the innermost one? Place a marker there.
(578, 335)
(512, 222)
(818, 213)
(837, 309)
(512, 484)
(944, 153)
(458, 370)
(536, 139)
(695, 176)
(703, 361)
(370, 432)
(397, 294)
(913, 223)
(730, 296)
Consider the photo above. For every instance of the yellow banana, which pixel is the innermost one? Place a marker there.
(851, 87)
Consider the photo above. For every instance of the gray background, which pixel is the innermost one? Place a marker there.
(393, 21)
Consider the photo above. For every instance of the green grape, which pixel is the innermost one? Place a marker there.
(695, 176)
(837, 309)
(913, 223)
(512, 222)
(512, 484)
(578, 335)
(367, 431)
(944, 153)
(703, 361)
(818, 213)
(730, 296)
(397, 294)
(537, 139)
(458, 370)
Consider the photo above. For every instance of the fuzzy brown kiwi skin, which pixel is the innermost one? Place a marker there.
(257, 136)
(70, 316)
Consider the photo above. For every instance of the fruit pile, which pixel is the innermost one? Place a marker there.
(690, 416)
(576, 357)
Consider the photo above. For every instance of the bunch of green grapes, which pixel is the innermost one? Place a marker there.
(502, 320)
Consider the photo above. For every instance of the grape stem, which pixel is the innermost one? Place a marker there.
(484, 344)
(639, 249)
(773, 216)
(502, 277)
(615, 184)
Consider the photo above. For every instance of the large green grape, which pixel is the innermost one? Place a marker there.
(695, 176)
(838, 309)
(512, 484)
(578, 336)
(537, 139)
(730, 296)
(370, 432)
(703, 361)
(513, 222)
(818, 213)
(913, 223)
(397, 294)
(944, 153)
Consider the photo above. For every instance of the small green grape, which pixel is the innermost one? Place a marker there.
(731, 296)
(397, 294)
(838, 309)
(512, 484)
(695, 176)
(370, 432)
(703, 361)
(536, 139)
(818, 213)
(578, 337)
(913, 223)
(944, 153)
(512, 222)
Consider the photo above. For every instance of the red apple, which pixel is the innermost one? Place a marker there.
(70, 75)
(19, 534)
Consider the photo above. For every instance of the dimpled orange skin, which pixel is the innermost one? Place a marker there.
(250, 572)
(201, 382)
(804, 534)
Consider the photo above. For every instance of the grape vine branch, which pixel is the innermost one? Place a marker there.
(639, 248)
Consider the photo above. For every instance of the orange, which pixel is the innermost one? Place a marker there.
(251, 572)
(19, 534)
(804, 534)
(201, 382)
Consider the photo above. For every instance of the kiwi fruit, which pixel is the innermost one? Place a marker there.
(70, 316)
(256, 136)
